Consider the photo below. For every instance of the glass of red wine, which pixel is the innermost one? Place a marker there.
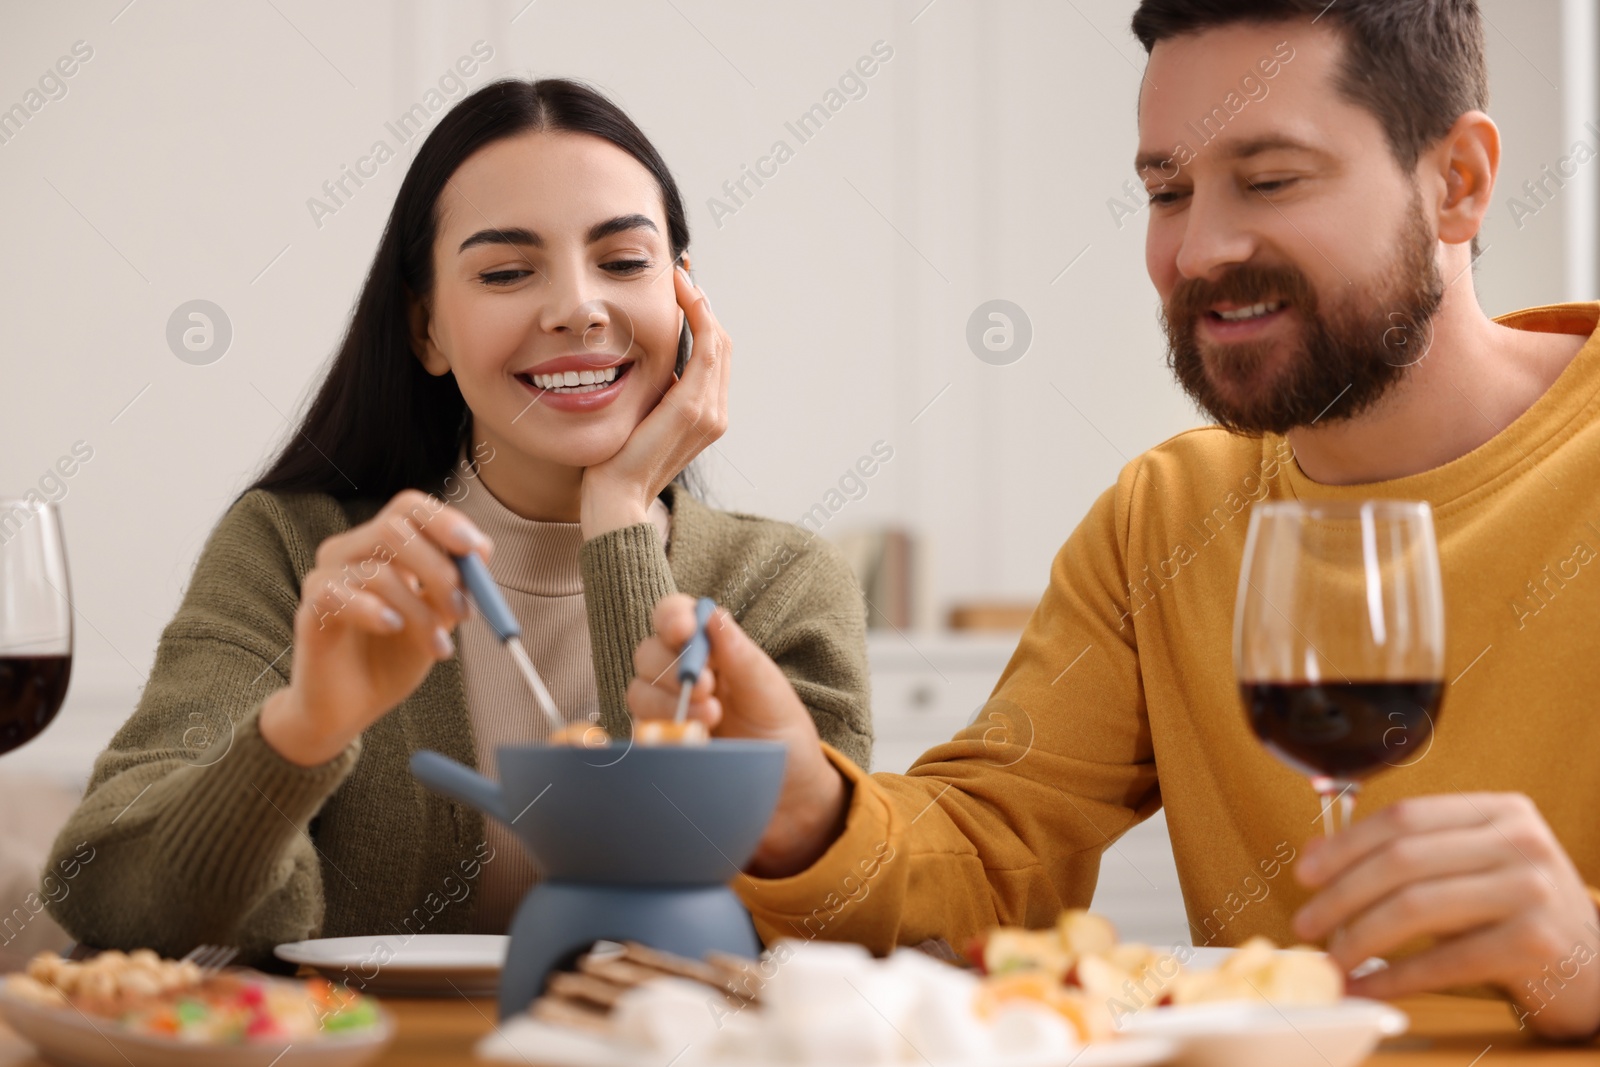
(35, 620)
(1338, 639)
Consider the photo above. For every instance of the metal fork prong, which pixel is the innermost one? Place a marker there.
(220, 957)
(211, 958)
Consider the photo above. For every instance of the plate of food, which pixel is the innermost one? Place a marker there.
(802, 1003)
(1252, 1005)
(414, 966)
(139, 1010)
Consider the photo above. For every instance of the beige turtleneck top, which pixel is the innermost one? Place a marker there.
(536, 566)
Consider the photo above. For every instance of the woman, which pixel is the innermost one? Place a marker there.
(527, 374)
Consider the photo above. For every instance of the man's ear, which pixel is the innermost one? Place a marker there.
(1465, 164)
(422, 346)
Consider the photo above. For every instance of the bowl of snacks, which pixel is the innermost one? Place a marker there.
(139, 1010)
(802, 1003)
(1252, 1005)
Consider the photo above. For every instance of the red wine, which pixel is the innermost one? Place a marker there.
(1342, 730)
(31, 691)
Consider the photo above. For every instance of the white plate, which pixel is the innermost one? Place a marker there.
(1270, 1035)
(525, 1040)
(69, 1037)
(1244, 1034)
(420, 965)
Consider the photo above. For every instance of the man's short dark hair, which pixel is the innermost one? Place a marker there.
(1418, 65)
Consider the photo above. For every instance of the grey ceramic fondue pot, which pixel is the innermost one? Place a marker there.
(632, 843)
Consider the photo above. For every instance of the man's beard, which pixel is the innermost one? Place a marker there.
(1352, 353)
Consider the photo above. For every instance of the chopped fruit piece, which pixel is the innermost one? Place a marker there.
(1037, 987)
(974, 953)
(1303, 978)
(1010, 948)
(1082, 931)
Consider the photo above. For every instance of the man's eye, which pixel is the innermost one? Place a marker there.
(1166, 198)
(1273, 186)
(625, 266)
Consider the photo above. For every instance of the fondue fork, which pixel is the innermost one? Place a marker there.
(695, 654)
(486, 594)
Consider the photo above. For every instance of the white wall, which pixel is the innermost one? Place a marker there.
(978, 165)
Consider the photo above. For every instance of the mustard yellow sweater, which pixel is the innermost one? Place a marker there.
(1121, 696)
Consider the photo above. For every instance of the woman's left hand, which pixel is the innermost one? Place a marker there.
(693, 413)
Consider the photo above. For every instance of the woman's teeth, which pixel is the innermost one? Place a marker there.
(1252, 312)
(577, 381)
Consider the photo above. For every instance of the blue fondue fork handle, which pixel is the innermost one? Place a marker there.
(698, 650)
(486, 594)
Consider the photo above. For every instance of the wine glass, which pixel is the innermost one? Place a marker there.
(35, 620)
(1338, 639)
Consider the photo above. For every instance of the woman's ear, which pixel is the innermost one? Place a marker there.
(1467, 161)
(422, 346)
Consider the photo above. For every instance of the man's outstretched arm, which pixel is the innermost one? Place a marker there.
(1003, 824)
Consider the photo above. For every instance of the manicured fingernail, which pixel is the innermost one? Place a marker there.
(392, 620)
(441, 643)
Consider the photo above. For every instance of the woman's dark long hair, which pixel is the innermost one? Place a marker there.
(380, 422)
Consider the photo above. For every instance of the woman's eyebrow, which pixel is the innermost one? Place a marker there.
(513, 236)
(517, 235)
(620, 224)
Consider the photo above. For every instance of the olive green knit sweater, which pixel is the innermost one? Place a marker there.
(203, 833)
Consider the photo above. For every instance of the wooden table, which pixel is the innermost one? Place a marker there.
(1445, 1032)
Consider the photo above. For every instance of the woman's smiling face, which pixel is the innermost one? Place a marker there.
(553, 298)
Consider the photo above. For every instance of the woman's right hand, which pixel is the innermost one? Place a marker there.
(375, 615)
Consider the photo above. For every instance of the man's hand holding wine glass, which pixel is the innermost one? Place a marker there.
(1482, 876)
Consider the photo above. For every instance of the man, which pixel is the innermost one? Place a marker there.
(1312, 249)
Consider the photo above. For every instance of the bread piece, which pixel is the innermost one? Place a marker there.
(718, 976)
(587, 988)
(560, 1012)
(1083, 931)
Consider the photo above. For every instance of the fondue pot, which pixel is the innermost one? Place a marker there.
(632, 843)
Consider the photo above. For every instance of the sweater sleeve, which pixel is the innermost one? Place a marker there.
(1005, 823)
(795, 596)
(807, 612)
(625, 574)
(196, 829)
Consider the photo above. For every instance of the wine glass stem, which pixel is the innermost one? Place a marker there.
(1336, 794)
